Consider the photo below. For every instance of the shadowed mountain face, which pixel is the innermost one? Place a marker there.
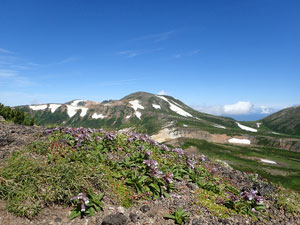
(165, 118)
(285, 121)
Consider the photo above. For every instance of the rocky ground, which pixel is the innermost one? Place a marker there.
(15, 137)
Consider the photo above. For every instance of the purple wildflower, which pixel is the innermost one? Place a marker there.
(82, 200)
(202, 158)
(178, 151)
(168, 177)
(110, 136)
(259, 199)
(150, 163)
(191, 163)
(250, 195)
(164, 147)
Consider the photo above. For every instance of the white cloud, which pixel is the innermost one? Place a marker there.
(134, 53)
(265, 110)
(156, 37)
(239, 108)
(162, 92)
(5, 51)
(4, 73)
(186, 54)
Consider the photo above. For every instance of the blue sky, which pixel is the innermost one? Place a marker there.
(206, 53)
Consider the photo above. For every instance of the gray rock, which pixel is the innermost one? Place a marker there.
(133, 217)
(145, 208)
(114, 219)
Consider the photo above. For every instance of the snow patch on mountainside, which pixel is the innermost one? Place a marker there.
(268, 161)
(239, 141)
(72, 110)
(98, 116)
(75, 102)
(175, 103)
(219, 126)
(175, 108)
(138, 114)
(127, 117)
(54, 107)
(83, 111)
(243, 127)
(156, 106)
(136, 105)
(258, 125)
(38, 107)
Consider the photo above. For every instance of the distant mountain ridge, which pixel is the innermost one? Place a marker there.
(163, 117)
(143, 110)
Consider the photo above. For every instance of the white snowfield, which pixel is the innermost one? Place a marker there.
(219, 126)
(175, 108)
(38, 107)
(243, 127)
(258, 125)
(75, 102)
(276, 133)
(268, 161)
(98, 116)
(72, 110)
(54, 107)
(136, 105)
(127, 117)
(156, 106)
(138, 114)
(239, 141)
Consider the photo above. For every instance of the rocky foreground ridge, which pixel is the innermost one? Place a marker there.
(204, 200)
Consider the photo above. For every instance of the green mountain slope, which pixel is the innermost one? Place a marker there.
(286, 121)
(163, 117)
(144, 111)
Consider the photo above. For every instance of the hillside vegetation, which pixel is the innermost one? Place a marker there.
(81, 166)
(15, 115)
(285, 121)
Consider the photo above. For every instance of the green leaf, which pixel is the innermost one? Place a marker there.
(74, 214)
(90, 211)
(169, 216)
(100, 196)
(155, 186)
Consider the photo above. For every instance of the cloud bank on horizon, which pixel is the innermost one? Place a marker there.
(238, 108)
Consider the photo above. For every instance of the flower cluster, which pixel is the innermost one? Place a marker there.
(178, 151)
(110, 136)
(168, 177)
(232, 197)
(141, 137)
(252, 195)
(82, 200)
(164, 147)
(191, 163)
(202, 158)
(152, 164)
